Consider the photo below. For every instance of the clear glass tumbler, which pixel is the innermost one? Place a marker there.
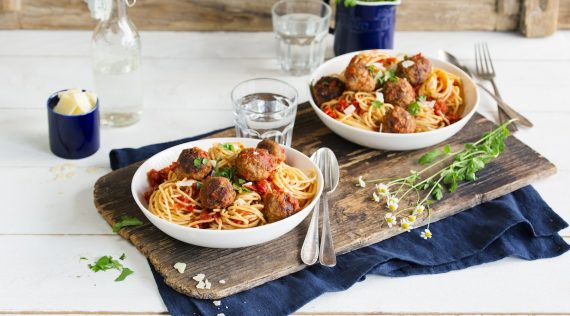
(265, 109)
(300, 27)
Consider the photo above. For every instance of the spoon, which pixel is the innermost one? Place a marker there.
(329, 167)
(310, 249)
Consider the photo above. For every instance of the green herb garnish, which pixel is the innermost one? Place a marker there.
(389, 75)
(205, 161)
(376, 104)
(228, 146)
(126, 221)
(124, 273)
(240, 188)
(108, 263)
(226, 172)
(123, 256)
(414, 108)
(82, 258)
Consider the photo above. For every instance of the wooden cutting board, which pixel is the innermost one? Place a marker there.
(355, 220)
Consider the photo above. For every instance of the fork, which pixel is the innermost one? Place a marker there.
(486, 71)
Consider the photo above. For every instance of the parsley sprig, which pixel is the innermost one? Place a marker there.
(108, 263)
(430, 186)
(126, 221)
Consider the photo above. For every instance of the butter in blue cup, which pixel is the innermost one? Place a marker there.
(73, 136)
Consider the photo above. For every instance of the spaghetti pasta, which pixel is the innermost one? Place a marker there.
(178, 200)
(438, 95)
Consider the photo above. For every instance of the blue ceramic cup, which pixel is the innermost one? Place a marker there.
(367, 25)
(72, 136)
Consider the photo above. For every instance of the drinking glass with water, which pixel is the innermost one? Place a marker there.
(265, 109)
(300, 27)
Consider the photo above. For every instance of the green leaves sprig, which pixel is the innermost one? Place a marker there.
(126, 221)
(461, 165)
(108, 263)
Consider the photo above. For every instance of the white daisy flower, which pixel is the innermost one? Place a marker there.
(419, 209)
(382, 189)
(361, 182)
(426, 234)
(392, 206)
(406, 225)
(393, 203)
(375, 197)
(390, 219)
(411, 218)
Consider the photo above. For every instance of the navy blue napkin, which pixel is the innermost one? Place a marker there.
(519, 224)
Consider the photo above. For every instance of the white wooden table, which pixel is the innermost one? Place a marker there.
(48, 219)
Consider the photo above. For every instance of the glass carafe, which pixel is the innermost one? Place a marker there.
(116, 58)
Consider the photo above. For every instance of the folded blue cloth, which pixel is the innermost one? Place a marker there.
(519, 224)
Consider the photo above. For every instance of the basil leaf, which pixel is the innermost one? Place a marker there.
(126, 221)
(124, 273)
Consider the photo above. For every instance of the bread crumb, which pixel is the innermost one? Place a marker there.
(222, 281)
(221, 314)
(208, 284)
(201, 285)
(217, 303)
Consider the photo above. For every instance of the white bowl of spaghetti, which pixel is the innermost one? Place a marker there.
(442, 103)
(174, 209)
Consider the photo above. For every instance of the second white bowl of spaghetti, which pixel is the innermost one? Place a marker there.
(363, 125)
(242, 223)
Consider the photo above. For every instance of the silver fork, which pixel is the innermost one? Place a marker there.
(486, 71)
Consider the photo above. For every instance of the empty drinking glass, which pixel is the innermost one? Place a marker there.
(265, 109)
(300, 27)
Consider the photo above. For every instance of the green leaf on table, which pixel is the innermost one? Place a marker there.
(125, 221)
(447, 149)
(124, 274)
(105, 263)
(429, 157)
(123, 256)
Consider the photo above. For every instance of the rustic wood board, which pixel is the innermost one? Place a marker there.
(355, 220)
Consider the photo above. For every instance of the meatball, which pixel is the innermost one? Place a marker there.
(254, 164)
(327, 88)
(217, 192)
(276, 151)
(358, 76)
(279, 205)
(398, 120)
(398, 92)
(191, 164)
(415, 69)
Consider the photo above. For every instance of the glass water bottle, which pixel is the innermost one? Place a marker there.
(116, 58)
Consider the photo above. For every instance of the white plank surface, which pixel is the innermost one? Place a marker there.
(187, 79)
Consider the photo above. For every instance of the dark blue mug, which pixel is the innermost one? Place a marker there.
(72, 136)
(366, 25)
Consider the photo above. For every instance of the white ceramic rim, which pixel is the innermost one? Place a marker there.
(392, 52)
(212, 232)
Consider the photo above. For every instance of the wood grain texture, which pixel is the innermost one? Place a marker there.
(355, 220)
(255, 15)
(539, 17)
